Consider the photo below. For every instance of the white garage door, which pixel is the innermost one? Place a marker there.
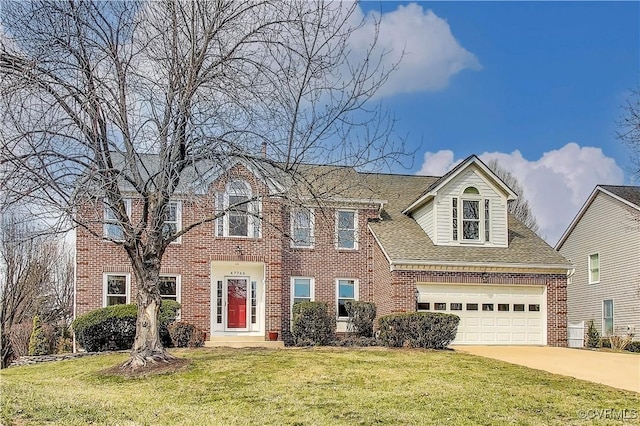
(498, 315)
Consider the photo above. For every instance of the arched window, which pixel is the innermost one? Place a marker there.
(241, 211)
(470, 211)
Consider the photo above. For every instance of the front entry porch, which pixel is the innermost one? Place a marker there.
(238, 305)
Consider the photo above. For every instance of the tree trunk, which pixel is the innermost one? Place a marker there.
(147, 347)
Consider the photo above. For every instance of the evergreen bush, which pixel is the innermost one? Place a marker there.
(312, 324)
(432, 330)
(593, 337)
(38, 342)
(361, 316)
(114, 327)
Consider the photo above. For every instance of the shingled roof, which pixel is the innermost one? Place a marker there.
(626, 192)
(404, 241)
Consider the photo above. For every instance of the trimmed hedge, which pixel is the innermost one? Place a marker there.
(114, 327)
(312, 324)
(361, 316)
(185, 335)
(418, 329)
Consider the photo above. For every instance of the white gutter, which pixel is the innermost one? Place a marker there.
(479, 264)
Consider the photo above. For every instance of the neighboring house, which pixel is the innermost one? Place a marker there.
(405, 243)
(603, 243)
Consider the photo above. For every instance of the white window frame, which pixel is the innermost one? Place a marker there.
(178, 284)
(105, 278)
(590, 269)
(294, 243)
(459, 219)
(178, 220)
(604, 318)
(356, 290)
(254, 210)
(355, 229)
(312, 291)
(107, 222)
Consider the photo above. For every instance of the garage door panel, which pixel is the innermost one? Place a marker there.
(516, 317)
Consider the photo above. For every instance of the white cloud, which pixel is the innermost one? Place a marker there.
(432, 55)
(556, 185)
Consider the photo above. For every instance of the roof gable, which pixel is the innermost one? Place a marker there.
(628, 195)
(471, 162)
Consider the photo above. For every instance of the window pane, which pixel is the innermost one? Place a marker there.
(471, 190)
(487, 306)
(346, 239)
(454, 211)
(238, 225)
(346, 289)
(456, 306)
(470, 209)
(503, 307)
(472, 306)
(534, 308)
(241, 201)
(116, 284)
(470, 230)
(114, 231)
(116, 300)
(168, 287)
(342, 310)
(487, 224)
(440, 306)
(301, 288)
(518, 307)
(424, 306)
(346, 220)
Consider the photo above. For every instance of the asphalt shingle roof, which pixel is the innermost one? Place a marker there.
(629, 193)
(403, 239)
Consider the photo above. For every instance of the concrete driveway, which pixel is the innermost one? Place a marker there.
(618, 370)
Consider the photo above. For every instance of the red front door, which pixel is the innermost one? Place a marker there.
(237, 303)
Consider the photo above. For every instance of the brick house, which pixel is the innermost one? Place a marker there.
(405, 243)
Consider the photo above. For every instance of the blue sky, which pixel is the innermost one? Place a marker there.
(537, 85)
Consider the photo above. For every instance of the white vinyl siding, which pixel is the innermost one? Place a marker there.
(435, 217)
(608, 228)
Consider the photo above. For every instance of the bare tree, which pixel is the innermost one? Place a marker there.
(520, 207)
(89, 89)
(27, 262)
(629, 129)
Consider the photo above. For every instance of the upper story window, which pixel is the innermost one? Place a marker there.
(112, 228)
(594, 268)
(302, 225)
(347, 229)
(470, 217)
(242, 211)
(173, 221)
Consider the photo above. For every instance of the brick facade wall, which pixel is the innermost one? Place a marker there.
(391, 291)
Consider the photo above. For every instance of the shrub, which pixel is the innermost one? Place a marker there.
(418, 329)
(361, 316)
(312, 324)
(634, 346)
(185, 335)
(605, 343)
(593, 337)
(38, 342)
(356, 341)
(19, 336)
(620, 342)
(114, 327)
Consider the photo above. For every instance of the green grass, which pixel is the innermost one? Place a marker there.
(303, 386)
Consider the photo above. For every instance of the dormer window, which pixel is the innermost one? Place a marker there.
(472, 212)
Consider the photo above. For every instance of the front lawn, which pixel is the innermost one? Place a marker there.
(304, 386)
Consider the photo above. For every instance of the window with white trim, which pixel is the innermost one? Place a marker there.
(170, 287)
(607, 317)
(470, 217)
(346, 289)
(112, 228)
(240, 209)
(173, 221)
(302, 227)
(594, 268)
(117, 289)
(302, 290)
(347, 229)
